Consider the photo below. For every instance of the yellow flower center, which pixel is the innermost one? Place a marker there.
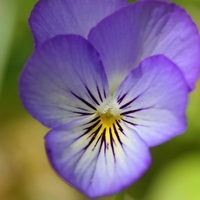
(108, 122)
(105, 128)
(108, 119)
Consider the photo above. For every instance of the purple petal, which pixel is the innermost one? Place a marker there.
(97, 163)
(143, 29)
(50, 18)
(63, 80)
(153, 100)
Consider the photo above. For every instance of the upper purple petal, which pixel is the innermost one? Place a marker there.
(143, 29)
(63, 80)
(54, 17)
(153, 100)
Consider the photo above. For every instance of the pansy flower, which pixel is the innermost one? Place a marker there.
(110, 79)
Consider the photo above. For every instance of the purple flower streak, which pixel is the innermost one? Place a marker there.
(111, 79)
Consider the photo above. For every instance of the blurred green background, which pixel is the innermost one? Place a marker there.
(24, 170)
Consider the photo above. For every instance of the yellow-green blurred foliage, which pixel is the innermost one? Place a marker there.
(25, 173)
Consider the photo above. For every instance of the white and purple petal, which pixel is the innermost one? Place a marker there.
(153, 100)
(63, 80)
(97, 162)
(50, 18)
(143, 29)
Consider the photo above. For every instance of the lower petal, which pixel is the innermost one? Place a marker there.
(100, 164)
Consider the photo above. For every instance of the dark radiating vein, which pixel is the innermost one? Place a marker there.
(120, 128)
(90, 142)
(132, 111)
(116, 133)
(111, 142)
(97, 139)
(102, 141)
(83, 113)
(93, 125)
(88, 129)
(100, 97)
(119, 100)
(81, 108)
(129, 116)
(95, 119)
(104, 92)
(129, 122)
(84, 101)
(95, 132)
(92, 96)
(130, 102)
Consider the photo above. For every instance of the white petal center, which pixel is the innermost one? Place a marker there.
(109, 107)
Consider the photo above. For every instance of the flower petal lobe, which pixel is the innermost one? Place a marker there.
(50, 18)
(63, 80)
(155, 100)
(144, 29)
(97, 165)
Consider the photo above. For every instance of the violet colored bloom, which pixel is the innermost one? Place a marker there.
(113, 82)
